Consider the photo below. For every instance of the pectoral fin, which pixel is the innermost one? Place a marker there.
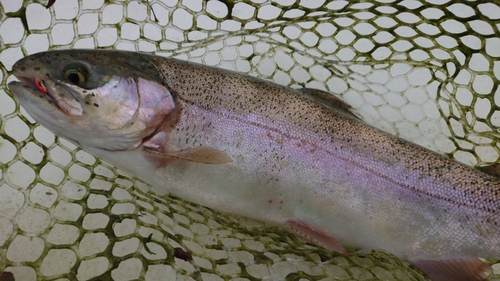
(317, 236)
(198, 154)
(460, 269)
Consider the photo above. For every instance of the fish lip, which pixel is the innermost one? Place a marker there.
(31, 82)
(27, 81)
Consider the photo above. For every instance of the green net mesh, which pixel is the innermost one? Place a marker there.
(427, 71)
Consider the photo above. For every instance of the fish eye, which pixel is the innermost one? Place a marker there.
(76, 73)
(75, 77)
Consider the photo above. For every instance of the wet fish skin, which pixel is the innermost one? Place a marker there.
(284, 156)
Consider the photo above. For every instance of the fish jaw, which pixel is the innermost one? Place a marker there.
(41, 108)
(107, 111)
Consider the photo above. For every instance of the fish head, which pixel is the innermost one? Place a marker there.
(106, 99)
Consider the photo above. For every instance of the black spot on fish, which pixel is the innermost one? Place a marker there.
(96, 105)
(37, 68)
(23, 68)
(92, 94)
(84, 91)
(87, 102)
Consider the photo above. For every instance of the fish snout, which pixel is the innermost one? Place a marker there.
(19, 68)
(29, 67)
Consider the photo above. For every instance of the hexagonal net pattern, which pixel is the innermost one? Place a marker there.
(427, 71)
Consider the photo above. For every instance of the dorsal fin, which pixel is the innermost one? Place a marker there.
(328, 99)
(493, 170)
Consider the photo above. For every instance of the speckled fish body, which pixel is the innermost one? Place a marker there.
(289, 157)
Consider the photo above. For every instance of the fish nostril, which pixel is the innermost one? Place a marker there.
(19, 66)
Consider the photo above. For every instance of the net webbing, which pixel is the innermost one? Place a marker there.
(427, 71)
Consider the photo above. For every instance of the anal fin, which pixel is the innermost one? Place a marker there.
(459, 269)
(319, 237)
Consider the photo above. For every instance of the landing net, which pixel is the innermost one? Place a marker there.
(427, 71)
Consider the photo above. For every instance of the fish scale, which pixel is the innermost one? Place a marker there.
(296, 158)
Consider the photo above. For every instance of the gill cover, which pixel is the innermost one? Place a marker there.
(120, 114)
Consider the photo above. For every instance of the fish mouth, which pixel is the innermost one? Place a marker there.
(56, 93)
(31, 83)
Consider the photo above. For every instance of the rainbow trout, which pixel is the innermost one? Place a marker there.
(296, 158)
